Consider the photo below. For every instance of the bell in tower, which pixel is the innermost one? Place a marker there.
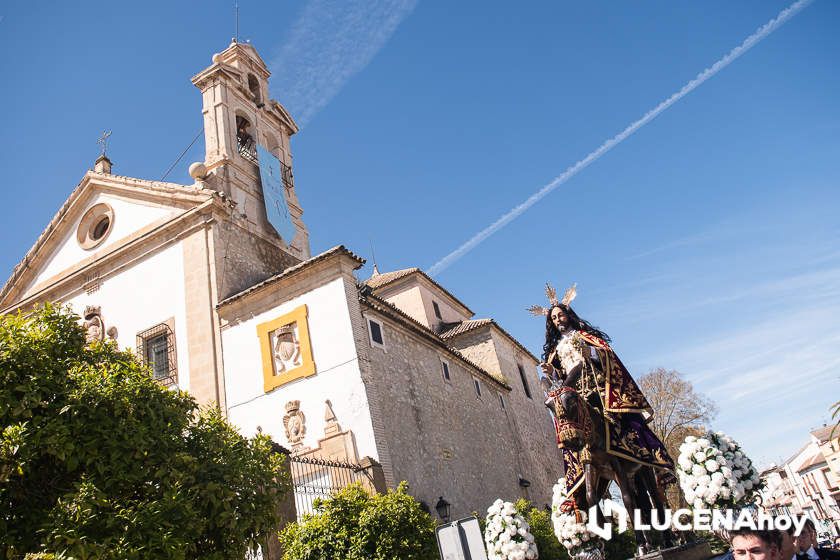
(247, 150)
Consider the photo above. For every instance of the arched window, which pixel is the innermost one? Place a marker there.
(245, 140)
(254, 88)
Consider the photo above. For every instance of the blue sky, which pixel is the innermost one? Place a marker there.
(707, 242)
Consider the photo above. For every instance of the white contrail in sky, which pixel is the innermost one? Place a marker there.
(515, 212)
(330, 42)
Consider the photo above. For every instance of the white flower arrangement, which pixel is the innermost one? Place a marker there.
(507, 535)
(570, 526)
(715, 473)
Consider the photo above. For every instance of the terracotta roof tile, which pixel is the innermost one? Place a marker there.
(814, 459)
(380, 280)
(824, 434)
(464, 327)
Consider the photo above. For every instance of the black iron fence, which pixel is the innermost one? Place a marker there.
(320, 478)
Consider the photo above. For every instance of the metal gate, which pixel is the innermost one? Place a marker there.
(315, 478)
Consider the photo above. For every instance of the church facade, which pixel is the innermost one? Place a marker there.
(214, 287)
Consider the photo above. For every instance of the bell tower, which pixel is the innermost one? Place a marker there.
(239, 117)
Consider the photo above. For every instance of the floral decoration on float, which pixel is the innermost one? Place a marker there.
(570, 527)
(507, 534)
(715, 473)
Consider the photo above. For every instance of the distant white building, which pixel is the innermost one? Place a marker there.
(392, 372)
(807, 484)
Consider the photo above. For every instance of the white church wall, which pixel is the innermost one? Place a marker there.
(148, 293)
(336, 378)
(129, 217)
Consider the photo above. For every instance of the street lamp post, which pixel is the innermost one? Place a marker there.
(442, 508)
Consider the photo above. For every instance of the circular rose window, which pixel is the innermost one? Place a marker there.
(95, 226)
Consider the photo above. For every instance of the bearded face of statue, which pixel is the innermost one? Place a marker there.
(559, 319)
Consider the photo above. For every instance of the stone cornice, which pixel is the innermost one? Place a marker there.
(207, 77)
(247, 52)
(336, 256)
(276, 110)
(139, 245)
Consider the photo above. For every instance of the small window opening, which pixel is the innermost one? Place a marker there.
(156, 350)
(95, 226)
(156, 347)
(445, 368)
(254, 87)
(524, 381)
(101, 228)
(437, 309)
(477, 386)
(502, 401)
(376, 332)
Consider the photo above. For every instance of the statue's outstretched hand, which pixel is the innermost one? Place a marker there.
(548, 369)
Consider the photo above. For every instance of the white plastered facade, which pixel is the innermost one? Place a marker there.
(130, 217)
(337, 377)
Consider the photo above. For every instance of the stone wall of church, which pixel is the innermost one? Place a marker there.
(531, 417)
(479, 348)
(489, 348)
(442, 437)
(244, 259)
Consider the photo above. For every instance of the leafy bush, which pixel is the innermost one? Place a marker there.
(97, 460)
(355, 525)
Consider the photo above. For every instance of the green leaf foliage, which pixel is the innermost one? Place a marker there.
(97, 460)
(355, 525)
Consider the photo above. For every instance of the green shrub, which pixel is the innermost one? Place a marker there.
(355, 525)
(97, 460)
